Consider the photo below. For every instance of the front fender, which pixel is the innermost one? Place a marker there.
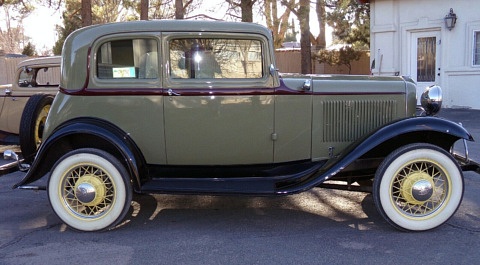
(82, 133)
(432, 127)
(416, 129)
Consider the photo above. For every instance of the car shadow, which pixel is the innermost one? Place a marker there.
(301, 212)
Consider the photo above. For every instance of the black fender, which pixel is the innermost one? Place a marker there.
(441, 132)
(87, 132)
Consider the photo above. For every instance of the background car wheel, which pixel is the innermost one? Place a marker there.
(32, 123)
(418, 187)
(89, 190)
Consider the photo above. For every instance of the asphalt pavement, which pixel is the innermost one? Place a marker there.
(316, 227)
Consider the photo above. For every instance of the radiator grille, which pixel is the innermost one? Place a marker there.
(348, 120)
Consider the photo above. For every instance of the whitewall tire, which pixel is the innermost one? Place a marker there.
(89, 190)
(418, 187)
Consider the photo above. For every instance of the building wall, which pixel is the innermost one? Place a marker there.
(394, 25)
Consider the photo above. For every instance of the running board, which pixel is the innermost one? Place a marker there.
(210, 185)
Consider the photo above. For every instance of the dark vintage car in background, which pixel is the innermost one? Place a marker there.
(197, 107)
(25, 104)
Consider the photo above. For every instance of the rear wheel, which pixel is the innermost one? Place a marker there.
(89, 190)
(32, 123)
(418, 187)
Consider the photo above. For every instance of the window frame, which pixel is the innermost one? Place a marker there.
(266, 81)
(475, 48)
(130, 83)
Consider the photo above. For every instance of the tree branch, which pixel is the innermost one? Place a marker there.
(204, 16)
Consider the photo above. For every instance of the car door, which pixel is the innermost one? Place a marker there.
(219, 102)
(14, 100)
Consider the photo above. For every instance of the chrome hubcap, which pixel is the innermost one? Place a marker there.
(422, 190)
(85, 193)
(89, 190)
(417, 188)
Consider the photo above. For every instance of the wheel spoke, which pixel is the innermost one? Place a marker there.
(414, 208)
(84, 173)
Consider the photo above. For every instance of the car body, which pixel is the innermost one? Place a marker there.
(197, 107)
(39, 77)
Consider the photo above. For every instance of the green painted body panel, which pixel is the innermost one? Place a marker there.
(293, 127)
(140, 117)
(345, 108)
(219, 130)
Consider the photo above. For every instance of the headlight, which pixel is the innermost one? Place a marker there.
(432, 100)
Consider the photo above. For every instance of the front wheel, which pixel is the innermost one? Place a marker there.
(89, 190)
(418, 187)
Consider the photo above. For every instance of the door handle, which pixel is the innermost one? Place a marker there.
(172, 93)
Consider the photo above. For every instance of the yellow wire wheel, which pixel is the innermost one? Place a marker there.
(418, 187)
(40, 124)
(88, 189)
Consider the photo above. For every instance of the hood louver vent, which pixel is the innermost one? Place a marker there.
(346, 121)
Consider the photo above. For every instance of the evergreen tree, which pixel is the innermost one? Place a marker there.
(343, 56)
(72, 21)
(350, 21)
(29, 50)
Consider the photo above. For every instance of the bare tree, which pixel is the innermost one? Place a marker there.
(114, 10)
(86, 13)
(246, 7)
(302, 11)
(303, 15)
(279, 25)
(144, 10)
(320, 41)
(12, 39)
(177, 9)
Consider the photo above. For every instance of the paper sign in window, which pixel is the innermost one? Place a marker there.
(124, 72)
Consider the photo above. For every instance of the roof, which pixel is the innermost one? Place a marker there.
(78, 44)
(53, 60)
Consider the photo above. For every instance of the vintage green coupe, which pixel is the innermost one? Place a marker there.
(198, 107)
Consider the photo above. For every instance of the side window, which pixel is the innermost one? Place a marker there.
(35, 77)
(26, 78)
(128, 59)
(48, 76)
(215, 58)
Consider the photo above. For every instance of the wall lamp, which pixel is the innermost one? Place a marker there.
(450, 20)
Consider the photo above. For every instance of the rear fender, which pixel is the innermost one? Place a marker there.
(83, 133)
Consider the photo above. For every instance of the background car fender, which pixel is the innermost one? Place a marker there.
(87, 132)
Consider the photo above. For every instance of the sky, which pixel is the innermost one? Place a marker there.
(40, 25)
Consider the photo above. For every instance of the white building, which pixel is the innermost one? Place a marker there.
(410, 38)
